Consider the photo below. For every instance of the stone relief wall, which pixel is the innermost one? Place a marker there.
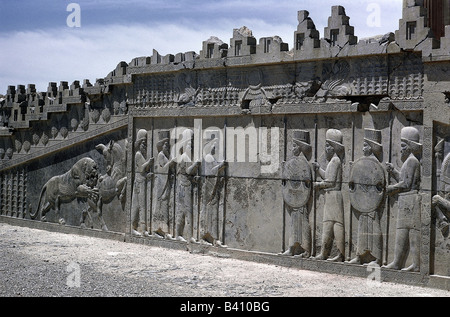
(440, 202)
(323, 158)
(80, 186)
(260, 208)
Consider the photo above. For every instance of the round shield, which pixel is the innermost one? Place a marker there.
(367, 184)
(298, 176)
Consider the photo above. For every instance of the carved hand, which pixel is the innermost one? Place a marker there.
(436, 200)
(173, 162)
(223, 165)
(389, 167)
(390, 189)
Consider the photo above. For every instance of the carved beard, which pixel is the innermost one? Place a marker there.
(329, 154)
(405, 153)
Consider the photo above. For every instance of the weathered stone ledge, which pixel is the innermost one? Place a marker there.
(346, 269)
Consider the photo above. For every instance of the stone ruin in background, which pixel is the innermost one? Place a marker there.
(331, 155)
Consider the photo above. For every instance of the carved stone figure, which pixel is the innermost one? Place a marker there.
(36, 139)
(9, 153)
(78, 182)
(186, 170)
(333, 214)
(306, 89)
(367, 185)
(211, 194)
(297, 191)
(64, 132)
(54, 132)
(139, 197)
(163, 186)
(335, 83)
(113, 183)
(441, 201)
(188, 97)
(409, 201)
(44, 139)
(253, 98)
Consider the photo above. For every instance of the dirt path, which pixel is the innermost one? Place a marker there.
(36, 263)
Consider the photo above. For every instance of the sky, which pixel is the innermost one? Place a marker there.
(44, 41)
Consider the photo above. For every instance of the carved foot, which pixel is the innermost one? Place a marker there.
(375, 263)
(219, 244)
(136, 233)
(303, 255)
(338, 258)
(203, 241)
(356, 260)
(392, 266)
(62, 221)
(169, 237)
(412, 268)
(180, 238)
(321, 257)
(286, 253)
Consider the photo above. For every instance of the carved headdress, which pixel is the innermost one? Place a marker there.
(335, 138)
(164, 136)
(373, 137)
(187, 136)
(140, 136)
(302, 139)
(411, 136)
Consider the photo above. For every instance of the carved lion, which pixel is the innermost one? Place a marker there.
(78, 183)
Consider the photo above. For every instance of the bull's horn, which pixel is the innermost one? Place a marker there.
(100, 147)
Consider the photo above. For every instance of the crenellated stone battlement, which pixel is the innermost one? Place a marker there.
(338, 41)
(24, 108)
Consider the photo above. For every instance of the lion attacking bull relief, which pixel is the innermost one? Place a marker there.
(78, 183)
(110, 185)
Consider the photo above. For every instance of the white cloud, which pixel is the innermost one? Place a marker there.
(41, 57)
(91, 52)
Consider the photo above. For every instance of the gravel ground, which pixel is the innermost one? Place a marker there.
(35, 263)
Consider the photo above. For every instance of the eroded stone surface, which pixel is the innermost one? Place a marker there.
(334, 150)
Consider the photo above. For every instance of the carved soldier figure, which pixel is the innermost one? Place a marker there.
(409, 201)
(186, 170)
(297, 194)
(162, 186)
(333, 214)
(442, 201)
(142, 168)
(211, 193)
(367, 190)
